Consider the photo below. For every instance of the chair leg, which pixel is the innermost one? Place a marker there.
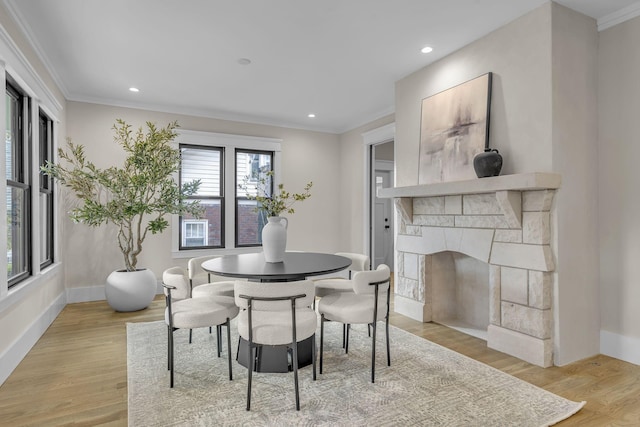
(219, 338)
(388, 347)
(313, 355)
(250, 367)
(168, 347)
(373, 355)
(321, 339)
(190, 335)
(295, 373)
(346, 346)
(344, 335)
(229, 347)
(171, 359)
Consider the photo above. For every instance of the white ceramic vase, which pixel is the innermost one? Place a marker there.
(274, 238)
(131, 290)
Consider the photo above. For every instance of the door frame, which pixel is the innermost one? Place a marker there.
(376, 136)
(384, 166)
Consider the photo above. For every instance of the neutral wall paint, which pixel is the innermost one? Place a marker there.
(306, 156)
(574, 123)
(618, 178)
(385, 151)
(352, 162)
(518, 55)
(537, 129)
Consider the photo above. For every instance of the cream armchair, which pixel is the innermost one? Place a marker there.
(276, 314)
(367, 304)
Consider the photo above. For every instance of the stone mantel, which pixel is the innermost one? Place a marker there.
(517, 182)
(503, 221)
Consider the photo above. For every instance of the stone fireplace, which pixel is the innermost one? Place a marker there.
(502, 224)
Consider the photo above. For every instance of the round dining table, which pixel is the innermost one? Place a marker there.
(295, 266)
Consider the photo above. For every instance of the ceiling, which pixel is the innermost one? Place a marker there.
(335, 58)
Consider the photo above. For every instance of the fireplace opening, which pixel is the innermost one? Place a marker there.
(460, 292)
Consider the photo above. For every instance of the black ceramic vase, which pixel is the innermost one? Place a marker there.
(488, 163)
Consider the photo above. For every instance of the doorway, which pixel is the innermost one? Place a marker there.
(381, 209)
(379, 165)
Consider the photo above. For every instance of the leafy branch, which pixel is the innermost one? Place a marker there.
(135, 197)
(272, 203)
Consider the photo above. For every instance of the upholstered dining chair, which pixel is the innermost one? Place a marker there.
(332, 285)
(176, 277)
(367, 304)
(328, 286)
(276, 314)
(191, 313)
(204, 283)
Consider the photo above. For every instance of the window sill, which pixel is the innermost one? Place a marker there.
(20, 291)
(223, 251)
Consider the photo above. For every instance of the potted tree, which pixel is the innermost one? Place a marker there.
(135, 198)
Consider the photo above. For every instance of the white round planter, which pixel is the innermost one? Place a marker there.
(274, 238)
(130, 290)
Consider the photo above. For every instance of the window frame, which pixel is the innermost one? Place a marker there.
(16, 69)
(46, 186)
(221, 197)
(202, 222)
(237, 198)
(22, 178)
(230, 142)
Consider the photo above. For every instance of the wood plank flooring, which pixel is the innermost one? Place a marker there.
(76, 375)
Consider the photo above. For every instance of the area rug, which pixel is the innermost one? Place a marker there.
(426, 385)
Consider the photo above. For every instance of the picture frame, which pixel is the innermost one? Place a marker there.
(454, 128)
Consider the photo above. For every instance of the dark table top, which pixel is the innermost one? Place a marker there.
(296, 266)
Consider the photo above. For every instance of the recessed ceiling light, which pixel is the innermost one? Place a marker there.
(134, 89)
(244, 61)
(426, 49)
(311, 115)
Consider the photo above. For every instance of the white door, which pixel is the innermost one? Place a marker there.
(383, 222)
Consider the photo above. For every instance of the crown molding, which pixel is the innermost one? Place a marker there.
(24, 72)
(619, 16)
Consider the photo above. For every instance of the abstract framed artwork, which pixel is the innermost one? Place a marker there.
(454, 128)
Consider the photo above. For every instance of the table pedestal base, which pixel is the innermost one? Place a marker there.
(275, 358)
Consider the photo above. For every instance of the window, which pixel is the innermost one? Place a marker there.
(46, 191)
(205, 164)
(194, 233)
(222, 162)
(17, 192)
(250, 165)
(29, 129)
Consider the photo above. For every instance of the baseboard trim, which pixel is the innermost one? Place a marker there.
(410, 308)
(12, 357)
(95, 293)
(620, 347)
(86, 294)
(530, 349)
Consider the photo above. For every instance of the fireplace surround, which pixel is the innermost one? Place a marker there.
(506, 222)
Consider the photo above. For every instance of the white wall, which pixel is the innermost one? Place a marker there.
(574, 124)
(306, 156)
(618, 194)
(542, 64)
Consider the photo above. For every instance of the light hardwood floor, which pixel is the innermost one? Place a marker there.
(76, 374)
